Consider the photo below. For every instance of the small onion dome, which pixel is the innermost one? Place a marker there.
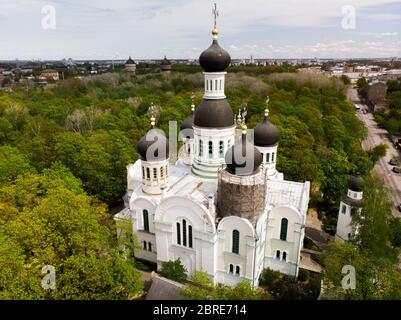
(214, 58)
(214, 113)
(266, 134)
(187, 125)
(130, 61)
(355, 183)
(165, 62)
(153, 146)
(243, 158)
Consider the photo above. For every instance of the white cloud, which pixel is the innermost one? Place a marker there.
(152, 28)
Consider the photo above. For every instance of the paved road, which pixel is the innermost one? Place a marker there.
(376, 135)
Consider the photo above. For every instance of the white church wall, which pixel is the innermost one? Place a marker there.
(138, 205)
(289, 249)
(175, 209)
(245, 258)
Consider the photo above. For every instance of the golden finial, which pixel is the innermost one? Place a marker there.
(152, 121)
(193, 102)
(244, 128)
(239, 119)
(215, 32)
(267, 106)
(152, 115)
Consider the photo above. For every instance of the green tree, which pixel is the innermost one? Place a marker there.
(362, 85)
(174, 270)
(12, 164)
(374, 236)
(202, 287)
(375, 278)
(49, 223)
(378, 152)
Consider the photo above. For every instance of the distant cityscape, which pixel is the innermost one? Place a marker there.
(44, 71)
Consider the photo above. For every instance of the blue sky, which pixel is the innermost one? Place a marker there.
(99, 29)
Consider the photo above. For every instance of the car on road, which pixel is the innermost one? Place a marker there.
(396, 169)
(394, 162)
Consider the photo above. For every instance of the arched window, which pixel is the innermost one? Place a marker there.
(272, 156)
(221, 85)
(145, 220)
(150, 247)
(154, 173)
(184, 233)
(211, 85)
(283, 231)
(237, 270)
(145, 245)
(216, 85)
(185, 230)
(143, 172)
(284, 256)
(278, 254)
(235, 248)
(190, 236)
(210, 149)
(207, 85)
(147, 173)
(267, 157)
(161, 172)
(200, 148)
(221, 149)
(178, 233)
(231, 268)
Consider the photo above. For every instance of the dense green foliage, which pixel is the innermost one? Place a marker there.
(305, 287)
(202, 288)
(48, 219)
(92, 125)
(373, 254)
(174, 270)
(391, 121)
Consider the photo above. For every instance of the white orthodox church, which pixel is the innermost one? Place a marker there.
(222, 207)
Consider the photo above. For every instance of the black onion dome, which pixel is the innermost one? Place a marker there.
(187, 126)
(355, 183)
(165, 62)
(266, 134)
(243, 158)
(157, 141)
(214, 58)
(214, 113)
(130, 61)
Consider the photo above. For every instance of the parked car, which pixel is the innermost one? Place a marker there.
(394, 162)
(396, 169)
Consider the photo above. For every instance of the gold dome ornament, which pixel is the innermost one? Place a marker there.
(152, 121)
(215, 32)
(244, 129)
